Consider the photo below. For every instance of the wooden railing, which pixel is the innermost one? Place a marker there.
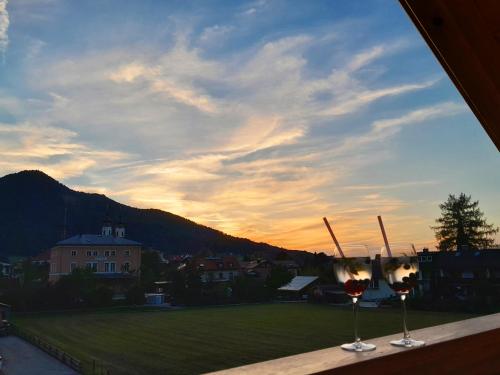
(469, 346)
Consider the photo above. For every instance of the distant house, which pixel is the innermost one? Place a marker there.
(378, 289)
(4, 312)
(4, 319)
(459, 275)
(299, 287)
(259, 269)
(109, 255)
(179, 258)
(42, 258)
(5, 267)
(218, 269)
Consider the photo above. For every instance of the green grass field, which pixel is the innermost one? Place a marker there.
(198, 340)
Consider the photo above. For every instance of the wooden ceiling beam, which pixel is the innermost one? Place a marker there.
(464, 35)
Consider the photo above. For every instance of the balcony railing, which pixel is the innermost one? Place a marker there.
(469, 346)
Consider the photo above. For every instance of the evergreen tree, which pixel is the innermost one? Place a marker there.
(462, 225)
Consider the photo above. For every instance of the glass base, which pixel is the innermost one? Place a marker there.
(358, 347)
(408, 343)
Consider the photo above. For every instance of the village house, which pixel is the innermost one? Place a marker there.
(113, 258)
(218, 269)
(259, 269)
(459, 275)
(42, 258)
(5, 267)
(298, 288)
(378, 289)
(4, 319)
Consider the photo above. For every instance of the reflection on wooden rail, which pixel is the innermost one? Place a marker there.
(470, 346)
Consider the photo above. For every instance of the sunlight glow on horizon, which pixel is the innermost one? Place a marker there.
(254, 117)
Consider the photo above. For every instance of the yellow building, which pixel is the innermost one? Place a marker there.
(109, 255)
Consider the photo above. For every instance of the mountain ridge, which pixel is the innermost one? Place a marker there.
(34, 205)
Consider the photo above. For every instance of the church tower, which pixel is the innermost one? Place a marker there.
(107, 227)
(120, 230)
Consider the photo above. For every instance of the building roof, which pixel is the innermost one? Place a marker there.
(42, 257)
(255, 264)
(97, 240)
(228, 262)
(298, 283)
(464, 259)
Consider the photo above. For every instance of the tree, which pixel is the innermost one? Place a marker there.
(151, 268)
(278, 277)
(462, 225)
(33, 274)
(75, 289)
(135, 295)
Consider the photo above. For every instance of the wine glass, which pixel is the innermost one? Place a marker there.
(354, 271)
(399, 265)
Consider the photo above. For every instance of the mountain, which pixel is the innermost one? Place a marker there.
(32, 212)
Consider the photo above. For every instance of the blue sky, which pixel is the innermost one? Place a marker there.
(256, 118)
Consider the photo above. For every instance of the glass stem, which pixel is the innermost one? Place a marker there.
(357, 340)
(406, 334)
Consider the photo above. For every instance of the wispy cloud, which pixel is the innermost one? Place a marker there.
(54, 150)
(262, 132)
(364, 58)
(420, 115)
(244, 165)
(259, 138)
(355, 100)
(214, 35)
(398, 185)
(254, 7)
(162, 81)
(382, 129)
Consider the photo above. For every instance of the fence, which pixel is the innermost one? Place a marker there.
(97, 368)
(50, 349)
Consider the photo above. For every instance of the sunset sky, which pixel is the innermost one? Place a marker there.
(256, 118)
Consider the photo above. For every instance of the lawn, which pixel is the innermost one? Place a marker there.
(198, 340)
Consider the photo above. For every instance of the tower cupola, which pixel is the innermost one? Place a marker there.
(120, 230)
(107, 227)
